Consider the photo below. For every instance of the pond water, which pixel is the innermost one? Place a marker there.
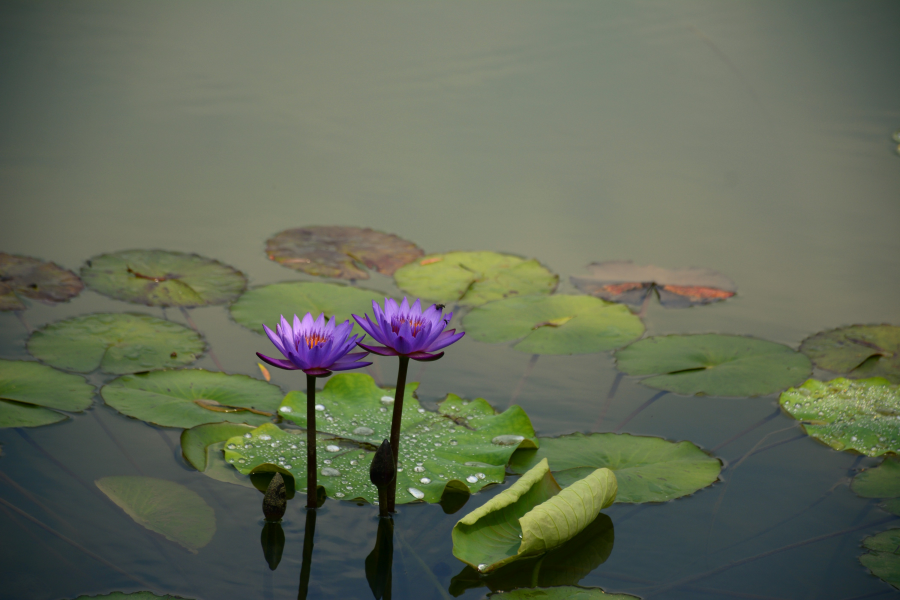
(751, 138)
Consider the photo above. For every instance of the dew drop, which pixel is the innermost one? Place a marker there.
(853, 439)
(248, 435)
(482, 568)
(339, 494)
(327, 461)
(422, 410)
(330, 472)
(265, 437)
(417, 494)
(507, 440)
(231, 446)
(332, 448)
(288, 467)
(387, 399)
(354, 462)
(320, 407)
(363, 431)
(286, 409)
(437, 444)
(425, 480)
(419, 469)
(478, 464)
(472, 479)
(480, 475)
(453, 442)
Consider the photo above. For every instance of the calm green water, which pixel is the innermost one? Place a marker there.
(752, 138)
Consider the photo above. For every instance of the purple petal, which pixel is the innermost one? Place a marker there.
(405, 343)
(320, 321)
(275, 339)
(390, 308)
(366, 325)
(342, 331)
(287, 334)
(298, 327)
(329, 328)
(404, 306)
(351, 357)
(308, 322)
(417, 307)
(380, 350)
(446, 341)
(424, 356)
(277, 362)
(317, 372)
(348, 366)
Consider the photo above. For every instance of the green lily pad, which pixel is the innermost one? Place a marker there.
(892, 506)
(883, 560)
(26, 277)
(192, 397)
(29, 389)
(203, 448)
(131, 596)
(530, 518)
(562, 566)
(554, 324)
(568, 592)
(342, 252)
(881, 482)
(861, 414)
(268, 303)
(473, 278)
(461, 448)
(116, 343)
(163, 278)
(168, 508)
(648, 469)
(626, 282)
(858, 350)
(714, 365)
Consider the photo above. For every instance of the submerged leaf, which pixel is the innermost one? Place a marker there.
(530, 518)
(884, 556)
(116, 343)
(647, 469)
(163, 278)
(858, 350)
(26, 387)
(881, 482)
(166, 507)
(713, 364)
(341, 251)
(473, 278)
(192, 397)
(26, 277)
(557, 324)
(861, 415)
(628, 283)
(462, 447)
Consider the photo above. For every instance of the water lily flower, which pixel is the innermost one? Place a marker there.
(406, 331)
(314, 347)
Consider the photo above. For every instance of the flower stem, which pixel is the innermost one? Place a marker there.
(395, 427)
(311, 468)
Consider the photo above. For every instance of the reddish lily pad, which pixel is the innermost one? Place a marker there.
(26, 277)
(625, 282)
(163, 278)
(342, 252)
(860, 351)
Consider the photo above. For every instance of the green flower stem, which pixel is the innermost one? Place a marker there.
(395, 427)
(311, 469)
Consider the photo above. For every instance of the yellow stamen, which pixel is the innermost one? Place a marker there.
(314, 340)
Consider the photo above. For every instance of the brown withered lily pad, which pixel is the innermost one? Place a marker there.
(163, 278)
(26, 277)
(342, 252)
(857, 350)
(625, 282)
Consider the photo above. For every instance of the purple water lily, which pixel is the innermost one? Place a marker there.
(407, 331)
(314, 347)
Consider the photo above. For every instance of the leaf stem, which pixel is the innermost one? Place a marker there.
(639, 409)
(521, 384)
(211, 353)
(395, 427)
(609, 398)
(21, 316)
(311, 469)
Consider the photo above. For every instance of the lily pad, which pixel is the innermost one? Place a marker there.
(883, 560)
(163, 278)
(858, 350)
(461, 448)
(628, 283)
(203, 448)
(168, 508)
(881, 482)
(473, 278)
(192, 397)
(861, 415)
(131, 596)
(26, 277)
(648, 469)
(342, 252)
(530, 518)
(554, 324)
(116, 343)
(568, 592)
(28, 390)
(714, 365)
(268, 303)
(563, 566)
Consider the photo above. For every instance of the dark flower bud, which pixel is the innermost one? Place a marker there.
(275, 500)
(382, 470)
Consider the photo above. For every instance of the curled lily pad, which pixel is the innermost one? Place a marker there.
(343, 252)
(861, 415)
(28, 390)
(168, 508)
(563, 566)
(858, 350)
(628, 283)
(883, 558)
(268, 303)
(557, 324)
(461, 448)
(881, 482)
(192, 397)
(26, 277)
(530, 518)
(116, 343)
(648, 469)
(473, 278)
(203, 448)
(567, 592)
(163, 278)
(714, 365)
